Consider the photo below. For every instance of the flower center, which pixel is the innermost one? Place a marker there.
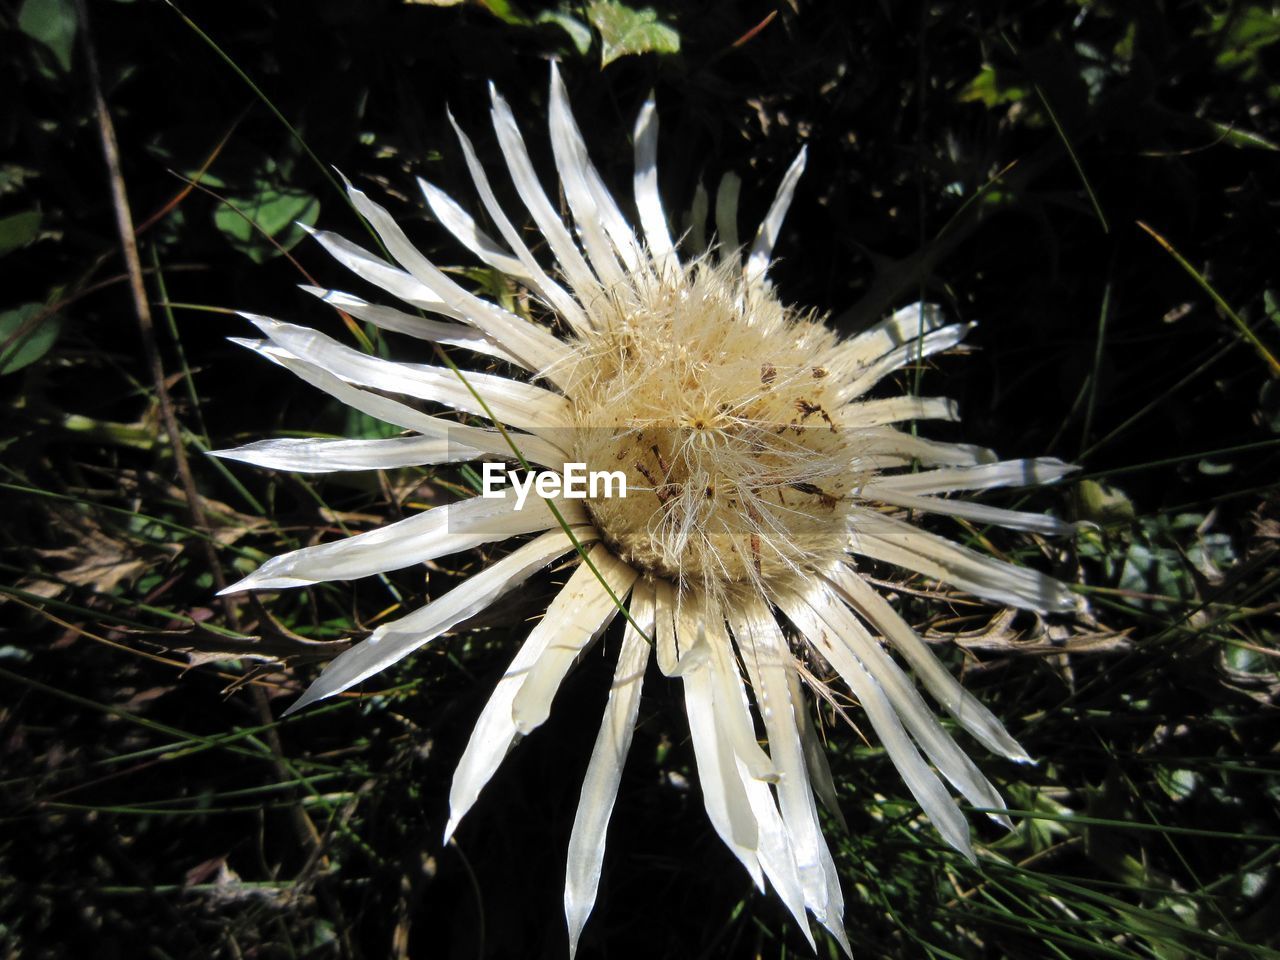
(710, 398)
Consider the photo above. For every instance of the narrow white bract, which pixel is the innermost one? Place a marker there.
(759, 470)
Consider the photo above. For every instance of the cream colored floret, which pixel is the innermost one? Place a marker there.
(712, 397)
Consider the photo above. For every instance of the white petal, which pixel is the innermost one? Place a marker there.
(727, 214)
(592, 610)
(425, 536)
(730, 702)
(967, 510)
(534, 449)
(967, 709)
(535, 346)
(566, 252)
(767, 235)
(495, 732)
(777, 856)
(910, 352)
(665, 627)
(902, 544)
(522, 405)
(461, 224)
(604, 773)
(937, 744)
(815, 756)
(723, 791)
(648, 200)
(387, 318)
(770, 665)
(903, 326)
(615, 224)
(550, 291)
(987, 476)
(377, 271)
(875, 413)
(576, 176)
(920, 780)
(751, 765)
(890, 447)
(394, 641)
(317, 455)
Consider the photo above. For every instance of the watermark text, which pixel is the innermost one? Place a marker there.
(574, 482)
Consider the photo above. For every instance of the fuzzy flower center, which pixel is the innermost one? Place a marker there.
(708, 394)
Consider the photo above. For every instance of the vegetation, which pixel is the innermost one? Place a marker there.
(1096, 182)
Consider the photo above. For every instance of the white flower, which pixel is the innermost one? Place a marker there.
(758, 475)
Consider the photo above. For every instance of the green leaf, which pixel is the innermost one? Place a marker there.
(1100, 504)
(1240, 138)
(505, 11)
(991, 89)
(18, 230)
(273, 211)
(364, 427)
(624, 31)
(1244, 33)
(578, 31)
(53, 23)
(18, 351)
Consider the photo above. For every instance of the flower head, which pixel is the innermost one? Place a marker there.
(759, 475)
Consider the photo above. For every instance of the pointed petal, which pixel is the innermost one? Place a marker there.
(967, 710)
(467, 232)
(576, 175)
(875, 413)
(584, 282)
(495, 732)
(433, 533)
(987, 476)
(534, 345)
(723, 791)
(920, 780)
(911, 352)
(317, 455)
(648, 200)
(815, 757)
(769, 664)
(592, 611)
(377, 271)
(767, 235)
(777, 856)
(434, 331)
(550, 291)
(534, 449)
(394, 641)
(887, 447)
(731, 704)
(977, 512)
(937, 744)
(901, 327)
(902, 544)
(604, 773)
(615, 224)
(522, 405)
(714, 654)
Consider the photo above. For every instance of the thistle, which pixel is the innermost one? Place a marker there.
(760, 476)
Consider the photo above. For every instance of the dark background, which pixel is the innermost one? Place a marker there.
(994, 157)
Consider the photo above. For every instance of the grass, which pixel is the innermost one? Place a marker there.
(150, 799)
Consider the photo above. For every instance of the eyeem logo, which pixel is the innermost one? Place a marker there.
(574, 482)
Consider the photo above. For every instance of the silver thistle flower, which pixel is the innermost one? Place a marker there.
(758, 473)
